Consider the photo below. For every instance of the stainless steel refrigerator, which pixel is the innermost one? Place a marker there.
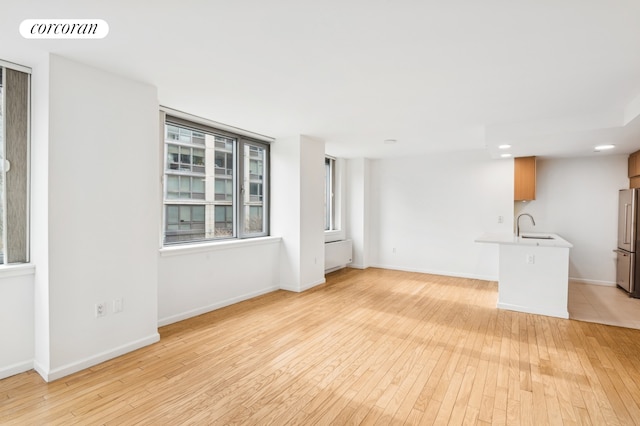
(627, 269)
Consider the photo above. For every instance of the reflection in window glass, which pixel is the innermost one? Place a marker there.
(329, 189)
(215, 185)
(1, 173)
(255, 158)
(14, 153)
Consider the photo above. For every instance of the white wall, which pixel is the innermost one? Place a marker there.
(312, 181)
(429, 209)
(577, 198)
(297, 210)
(103, 219)
(198, 279)
(358, 211)
(16, 319)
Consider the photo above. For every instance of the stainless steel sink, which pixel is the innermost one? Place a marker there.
(538, 237)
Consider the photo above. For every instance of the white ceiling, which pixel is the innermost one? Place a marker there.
(551, 78)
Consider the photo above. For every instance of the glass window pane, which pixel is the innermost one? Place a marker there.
(253, 219)
(198, 213)
(220, 185)
(229, 163)
(198, 157)
(172, 183)
(185, 184)
(172, 133)
(229, 189)
(185, 135)
(185, 155)
(185, 213)
(220, 159)
(172, 214)
(197, 137)
(197, 185)
(194, 222)
(2, 185)
(220, 213)
(172, 157)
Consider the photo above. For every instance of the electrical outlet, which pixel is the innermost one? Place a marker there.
(531, 259)
(101, 309)
(118, 305)
(500, 219)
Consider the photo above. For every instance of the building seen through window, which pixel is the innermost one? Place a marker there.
(215, 184)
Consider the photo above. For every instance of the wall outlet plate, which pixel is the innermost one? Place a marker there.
(118, 305)
(101, 309)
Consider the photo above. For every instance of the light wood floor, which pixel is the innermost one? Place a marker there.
(374, 347)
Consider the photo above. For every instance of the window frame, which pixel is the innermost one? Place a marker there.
(330, 192)
(242, 141)
(15, 144)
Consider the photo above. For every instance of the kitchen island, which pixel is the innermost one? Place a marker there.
(533, 272)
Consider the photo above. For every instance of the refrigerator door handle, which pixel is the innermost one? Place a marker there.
(627, 229)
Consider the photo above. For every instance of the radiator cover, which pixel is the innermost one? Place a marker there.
(337, 254)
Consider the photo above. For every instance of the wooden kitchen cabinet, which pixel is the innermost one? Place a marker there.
(524, 188)
(634, 170)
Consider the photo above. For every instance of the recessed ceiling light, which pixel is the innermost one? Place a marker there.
(505, 155)
(390, 141)
(604, 147)
(505, 146)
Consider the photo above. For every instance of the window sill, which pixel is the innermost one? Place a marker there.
(17, 270)
(186, 249)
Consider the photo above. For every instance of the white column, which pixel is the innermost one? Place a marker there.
(297, 210)
(358, 222)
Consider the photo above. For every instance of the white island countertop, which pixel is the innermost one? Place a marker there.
(508, 238)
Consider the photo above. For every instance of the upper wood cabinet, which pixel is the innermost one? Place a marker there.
(634, 170)
(524, 179)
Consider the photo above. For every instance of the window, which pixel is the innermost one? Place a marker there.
(329, 191)
(216, 184)
(14, 160)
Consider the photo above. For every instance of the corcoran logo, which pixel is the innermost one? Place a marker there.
(64, 28)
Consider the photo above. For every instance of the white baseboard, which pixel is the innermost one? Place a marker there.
(302, 288)
(357, 266)
(592, 282)
(541, 311)
(82, 364)
(17, 368)
(435, 272)
(212, 307)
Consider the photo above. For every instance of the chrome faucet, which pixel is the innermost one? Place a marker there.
(518, 222)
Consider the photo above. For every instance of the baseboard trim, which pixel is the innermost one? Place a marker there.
(212, 307)
(82, 364)
(313, 284)
(304, 287)
(337, 268)
(17, 368)
(548, 312)
(592, 282)
(356, 266)
(443, 273)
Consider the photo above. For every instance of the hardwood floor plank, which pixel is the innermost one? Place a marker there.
(368, 347)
